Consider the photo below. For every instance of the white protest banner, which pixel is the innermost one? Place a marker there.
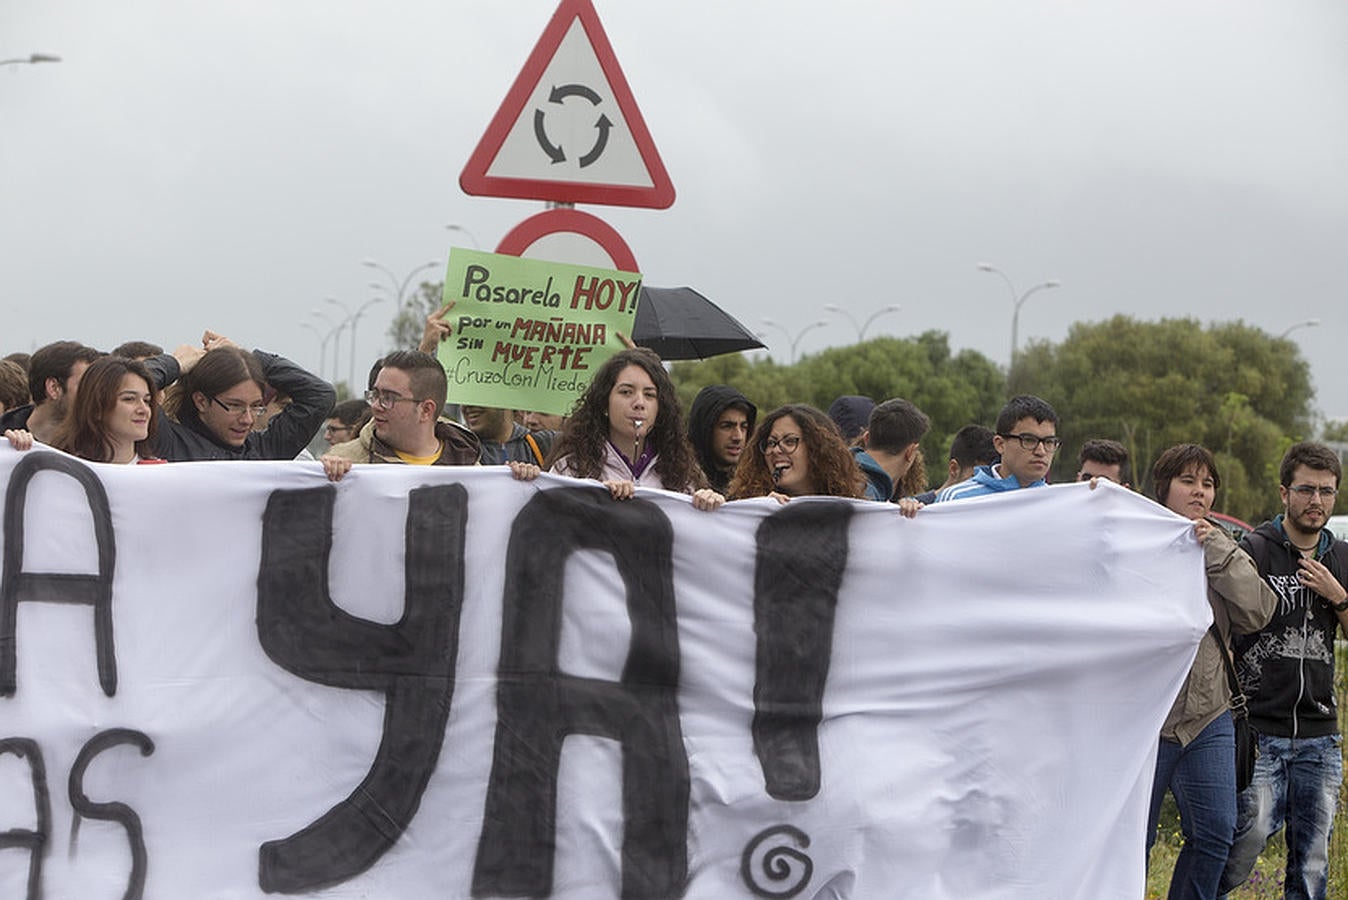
(235, 680)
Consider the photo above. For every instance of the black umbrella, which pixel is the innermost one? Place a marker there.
(680, 323)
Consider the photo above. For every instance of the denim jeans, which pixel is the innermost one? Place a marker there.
(1297, 782)
(1202, 776)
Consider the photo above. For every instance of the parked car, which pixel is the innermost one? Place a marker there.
(1238, 528)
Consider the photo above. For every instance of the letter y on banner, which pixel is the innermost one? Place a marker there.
(411, 661)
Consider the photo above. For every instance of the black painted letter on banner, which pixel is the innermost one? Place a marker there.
(410, 661)
(33, 840)
(802, 553)
(112, 811)
(538, 705)
(56, 587)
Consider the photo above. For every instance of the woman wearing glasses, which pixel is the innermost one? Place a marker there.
(217, 399)
(628, 430)
(1196, 760)
(797, 451)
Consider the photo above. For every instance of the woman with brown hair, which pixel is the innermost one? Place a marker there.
(628, 430)
(113, 417)
(797, 451)
(1196, 761)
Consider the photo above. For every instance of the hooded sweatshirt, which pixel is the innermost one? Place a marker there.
(710, 402)
(985, 481)
(879, 486)
(1287, 668)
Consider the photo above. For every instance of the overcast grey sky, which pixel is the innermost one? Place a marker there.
(229, 164)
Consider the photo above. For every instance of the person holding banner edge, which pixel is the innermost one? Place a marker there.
(1196, 760)
(405, 424)
(628, 430)
(797, 451)
(114, 416)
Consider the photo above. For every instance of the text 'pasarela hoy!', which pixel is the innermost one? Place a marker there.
(589, 292)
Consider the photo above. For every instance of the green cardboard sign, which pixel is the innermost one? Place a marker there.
(530, 334)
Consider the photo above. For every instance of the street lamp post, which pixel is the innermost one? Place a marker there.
(399, 296)
(337, 360)
(399, 287)
(861, 329)
(355, 319)
(335, 334)
(795, 339)
(31, 59)
(1309, 323)
(472, 237)
(1017, 300)
(322, 346)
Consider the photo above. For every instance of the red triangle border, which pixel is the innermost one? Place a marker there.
(474, 179)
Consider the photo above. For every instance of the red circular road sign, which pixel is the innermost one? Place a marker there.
(569, 236)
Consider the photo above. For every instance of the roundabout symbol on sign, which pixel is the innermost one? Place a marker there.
(602, 125)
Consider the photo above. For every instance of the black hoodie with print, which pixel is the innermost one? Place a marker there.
(1287, 668)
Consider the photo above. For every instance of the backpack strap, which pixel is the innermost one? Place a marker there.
(1239, 710)
(1256, 545)
(533, 445)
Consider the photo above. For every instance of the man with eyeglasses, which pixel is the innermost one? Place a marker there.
(1026, 437)
(1287, 673)
(405, 424)
(345, 421)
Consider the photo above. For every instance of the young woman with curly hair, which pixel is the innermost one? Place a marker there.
(797, 451)
(113, 417)
(628, 430)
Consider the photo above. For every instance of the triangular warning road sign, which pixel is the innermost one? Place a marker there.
(569, 130)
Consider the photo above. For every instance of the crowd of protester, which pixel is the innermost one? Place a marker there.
(1277, 597)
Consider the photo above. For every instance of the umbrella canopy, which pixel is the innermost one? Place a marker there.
(680, 323)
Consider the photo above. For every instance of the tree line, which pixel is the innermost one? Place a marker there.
(1232, 387)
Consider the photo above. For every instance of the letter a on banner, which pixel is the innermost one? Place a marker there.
(569, 130)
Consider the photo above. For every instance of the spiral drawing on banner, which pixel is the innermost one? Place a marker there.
(771, 867)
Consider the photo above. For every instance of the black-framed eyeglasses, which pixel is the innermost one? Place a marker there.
(386, 399)
(333, 429)
(788, 443)
(1307, 491)
(237, 408)
(1030, 441)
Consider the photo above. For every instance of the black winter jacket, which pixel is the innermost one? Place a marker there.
(1287, 668)
(286, 435)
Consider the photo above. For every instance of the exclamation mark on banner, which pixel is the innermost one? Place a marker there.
(802, 553)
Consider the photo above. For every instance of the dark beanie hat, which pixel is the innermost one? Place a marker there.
(851, 413)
